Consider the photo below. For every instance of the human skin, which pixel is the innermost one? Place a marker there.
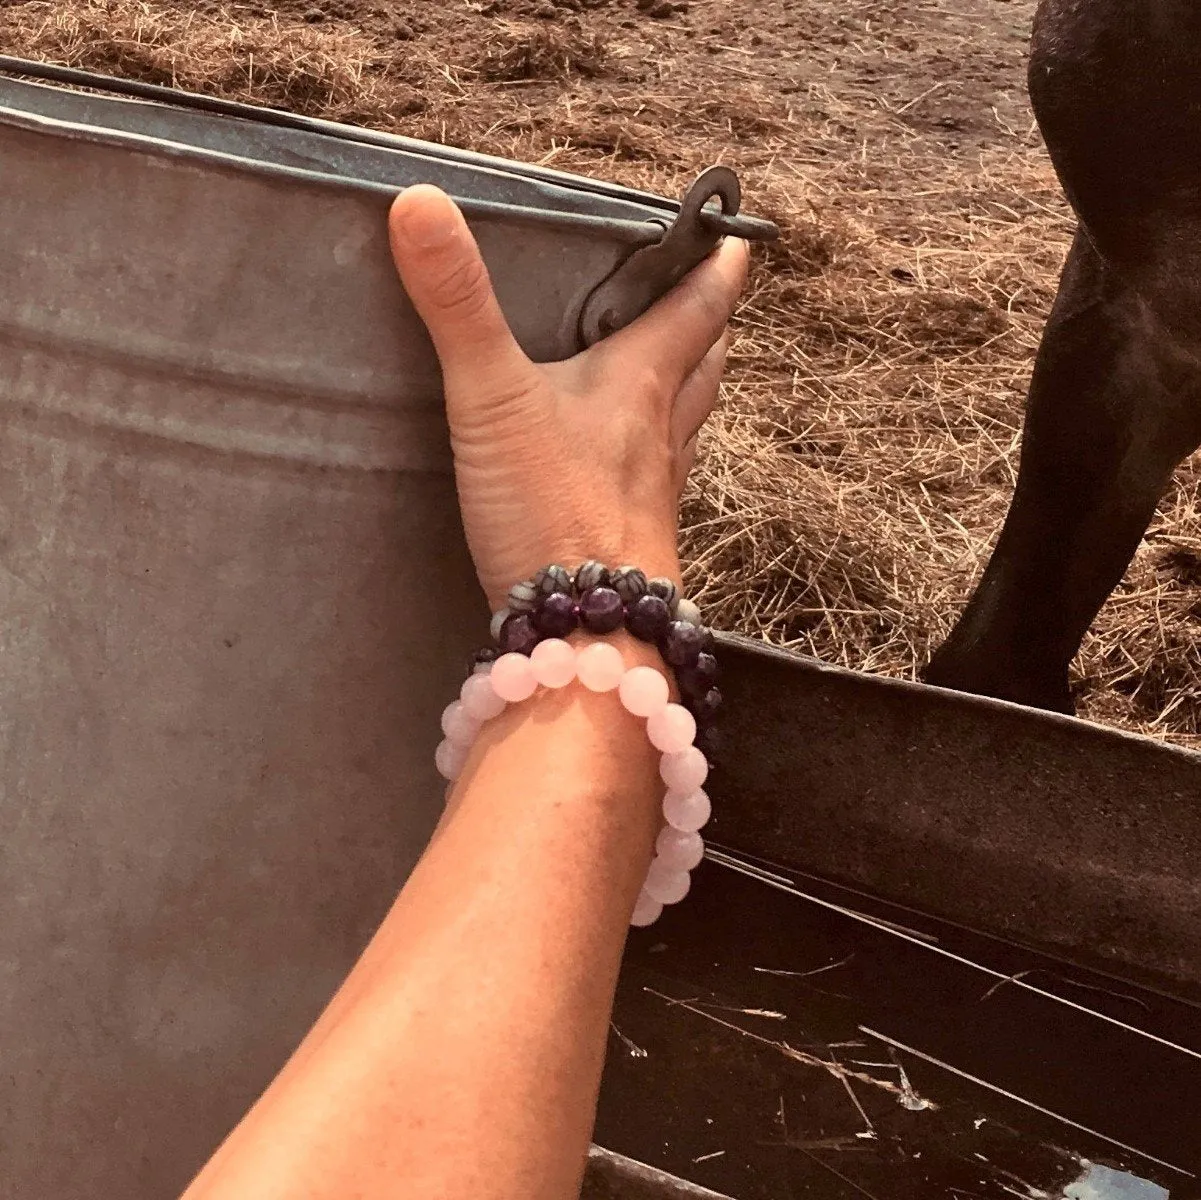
(462, 1056)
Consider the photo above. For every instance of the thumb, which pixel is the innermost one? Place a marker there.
(445, 277)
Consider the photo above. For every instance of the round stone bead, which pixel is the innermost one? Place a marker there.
(629, 583)
(450, 758)
(646, 911)
(684, 771)
(708, 742)
(667, 884)
(648, 618)
(498, 621)
(686, 610)
(513, 678)
(552, 579)
(479, 698)
(458, 725)
(671, 729)
(697, 679)
(687, 811)
(665, 589)
(680, 850)
(643, 691)
(601, 610)
(523, 596)
(589, 575)
(705, 709)
(600, 667)
(682, 644)
(484, 657)
(555, 615)
(518, 635)
(553, 662)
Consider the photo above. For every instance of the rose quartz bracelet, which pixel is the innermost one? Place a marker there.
(643, 691)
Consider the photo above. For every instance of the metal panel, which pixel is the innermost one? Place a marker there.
(234, 595)
(1047, 830)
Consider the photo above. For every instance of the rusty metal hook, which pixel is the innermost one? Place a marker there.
(650, 272)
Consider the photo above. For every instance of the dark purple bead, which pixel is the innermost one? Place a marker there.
(486, 655)
(708, 742)
(705, 709)
(518, 635)
(601, 610)
(682, 643)
(648, 618)
(696, 680)
(555, 615)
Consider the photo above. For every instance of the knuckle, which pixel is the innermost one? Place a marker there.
(464, 288)
(651, 385)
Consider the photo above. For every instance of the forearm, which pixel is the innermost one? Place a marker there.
(463, 1054)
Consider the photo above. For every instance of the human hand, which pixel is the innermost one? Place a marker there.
(567, 461)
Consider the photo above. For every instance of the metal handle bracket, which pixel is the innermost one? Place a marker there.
(650, 272)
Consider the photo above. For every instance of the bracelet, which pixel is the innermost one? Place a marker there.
(554, 603)
(553, 663)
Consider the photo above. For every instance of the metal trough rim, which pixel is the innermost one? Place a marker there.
(968, 700)
(638, 233)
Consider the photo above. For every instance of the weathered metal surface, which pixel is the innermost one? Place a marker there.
(612, 1176)
(724, 222)
(234, 594)
(779, 1037)
(1044, 829)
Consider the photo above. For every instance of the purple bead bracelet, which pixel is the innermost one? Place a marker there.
(555, 603)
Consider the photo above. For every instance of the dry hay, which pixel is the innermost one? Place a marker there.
(849, 489)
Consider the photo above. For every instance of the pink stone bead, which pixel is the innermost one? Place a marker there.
(687, 811)
(668, 885)
(458, 725)
(554, 663)
(646, 911)
(513, 678)
(479, 698)
(671, 729)
(600, 667)
(643, 691)
(449, 758)
(678, 849)
(685, 771)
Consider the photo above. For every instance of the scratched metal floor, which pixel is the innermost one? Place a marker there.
(779, 1037)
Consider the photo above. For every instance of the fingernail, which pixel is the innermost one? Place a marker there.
(427, 220)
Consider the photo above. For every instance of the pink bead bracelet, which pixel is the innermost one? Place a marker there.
(643, 691)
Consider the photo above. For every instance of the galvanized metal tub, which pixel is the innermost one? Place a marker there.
(234, 592)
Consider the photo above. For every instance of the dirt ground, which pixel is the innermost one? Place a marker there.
(849, 490)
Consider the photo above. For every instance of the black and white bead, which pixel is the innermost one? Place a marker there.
(552, 579)
(591, 575)
(523, 597)
(666, 590)
(629, 583)
(498, 619)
